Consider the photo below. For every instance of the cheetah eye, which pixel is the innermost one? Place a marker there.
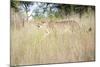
(38, 26)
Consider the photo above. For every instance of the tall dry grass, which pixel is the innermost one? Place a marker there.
(29, 46)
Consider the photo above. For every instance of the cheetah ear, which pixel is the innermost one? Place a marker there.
(90, 29)
(42, 22)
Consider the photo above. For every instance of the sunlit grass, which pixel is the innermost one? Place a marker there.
(29, 46)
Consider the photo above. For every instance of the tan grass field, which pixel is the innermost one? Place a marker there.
(29, 46)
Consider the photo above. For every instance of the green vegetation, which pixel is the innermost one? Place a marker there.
(40, 10)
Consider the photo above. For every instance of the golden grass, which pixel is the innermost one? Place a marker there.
(29, 46)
